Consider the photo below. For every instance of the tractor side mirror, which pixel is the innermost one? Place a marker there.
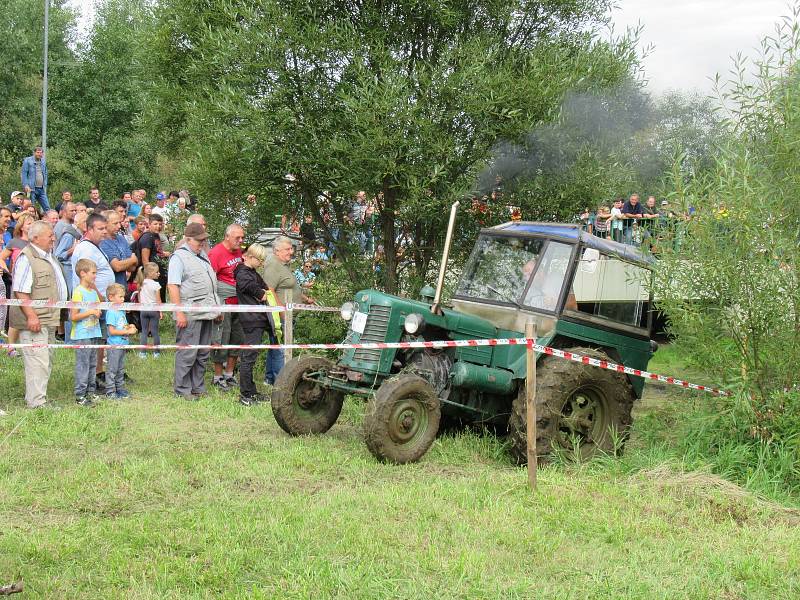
(589, 260)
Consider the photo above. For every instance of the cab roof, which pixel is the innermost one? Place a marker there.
(572, 233)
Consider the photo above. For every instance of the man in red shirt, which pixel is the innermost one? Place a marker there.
(224, 258)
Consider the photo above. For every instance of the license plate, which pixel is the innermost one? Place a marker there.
(359, 322)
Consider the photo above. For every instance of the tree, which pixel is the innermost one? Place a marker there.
(21, 71)
(401, 99)
(100, 101)
(731, 289)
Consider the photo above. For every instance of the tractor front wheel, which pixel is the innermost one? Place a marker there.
(402, 419)
(300, 404)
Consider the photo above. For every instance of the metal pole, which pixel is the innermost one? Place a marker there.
(435, 308)
(530, 402)
(288, 333)
(44, 82)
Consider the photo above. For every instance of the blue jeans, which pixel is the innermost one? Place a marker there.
(40, 195)
(273, 363)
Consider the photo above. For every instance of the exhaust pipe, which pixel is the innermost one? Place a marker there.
(435, 308)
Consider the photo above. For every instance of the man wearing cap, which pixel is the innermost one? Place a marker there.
(34, 177)
(666, 211)
(160, 207)
(37, 276)
(191, 280)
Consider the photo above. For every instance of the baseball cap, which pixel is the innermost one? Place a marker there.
(196, 231)
(160, 196)
(16, 193)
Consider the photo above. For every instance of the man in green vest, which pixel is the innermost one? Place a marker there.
(191, 280)
(37, 276)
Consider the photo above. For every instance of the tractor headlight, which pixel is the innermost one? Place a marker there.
(414, 323)
(347, 310)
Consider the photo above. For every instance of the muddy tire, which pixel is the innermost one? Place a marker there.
(576, 405)
(303, 407)
(402, 419)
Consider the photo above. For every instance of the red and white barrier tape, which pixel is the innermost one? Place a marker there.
(587, 360)
(135, 306)
(604, 364)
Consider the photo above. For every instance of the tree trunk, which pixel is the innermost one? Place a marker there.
(387, 218)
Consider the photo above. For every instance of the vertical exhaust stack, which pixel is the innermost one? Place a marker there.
(435, 308)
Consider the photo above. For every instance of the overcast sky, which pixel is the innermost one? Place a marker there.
(694, 39)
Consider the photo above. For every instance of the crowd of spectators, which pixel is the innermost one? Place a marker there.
(133, 250)
(631, 222)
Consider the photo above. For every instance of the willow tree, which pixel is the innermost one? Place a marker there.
(99, 102)
(402, 99)
(21, 76)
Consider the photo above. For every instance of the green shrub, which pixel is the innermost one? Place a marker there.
(731, 290)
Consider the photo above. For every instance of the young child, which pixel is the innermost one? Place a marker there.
(616, 220)
(85, 330)
(319, 258)
(602, 222)
(149, 293)
(118, 332)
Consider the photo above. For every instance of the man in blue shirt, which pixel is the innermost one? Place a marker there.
(117, 250)
(134, 208)
(632, 210)
(34, 178)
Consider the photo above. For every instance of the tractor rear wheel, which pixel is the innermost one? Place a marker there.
(581, 410)
(300, 404)
(402, 419)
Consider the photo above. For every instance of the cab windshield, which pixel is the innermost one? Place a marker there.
(499, 268)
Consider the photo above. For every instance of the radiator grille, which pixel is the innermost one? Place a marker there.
(374, 331)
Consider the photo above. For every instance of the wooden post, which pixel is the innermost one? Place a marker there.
(530, 402)
(288, 336)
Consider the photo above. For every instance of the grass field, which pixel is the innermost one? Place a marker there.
(162, 498)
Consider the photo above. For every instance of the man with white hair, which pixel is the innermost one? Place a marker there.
(279, 277)
(51, 216)
(37, 276)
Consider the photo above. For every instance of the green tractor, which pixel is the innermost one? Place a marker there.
(586, 295)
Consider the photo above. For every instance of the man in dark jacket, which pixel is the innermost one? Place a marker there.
(251, 290)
